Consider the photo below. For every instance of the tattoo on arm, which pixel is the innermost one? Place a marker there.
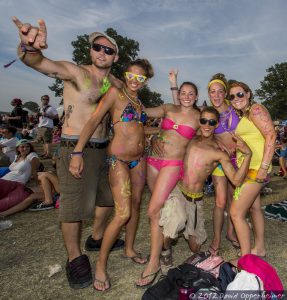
(53, 75)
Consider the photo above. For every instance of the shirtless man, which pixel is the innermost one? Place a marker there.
(83, 87)
(184, 207)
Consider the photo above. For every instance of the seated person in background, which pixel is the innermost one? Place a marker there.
(32, 131)
(7, 145)
(42, 196)
(25, 133)
(12, 185)
(184, 207)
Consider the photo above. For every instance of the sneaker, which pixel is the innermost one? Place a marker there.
(5, 224)
(79, 272)
(41, 206)
(165, 261)
(95, 245)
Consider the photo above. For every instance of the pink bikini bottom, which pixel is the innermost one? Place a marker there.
(159, 163)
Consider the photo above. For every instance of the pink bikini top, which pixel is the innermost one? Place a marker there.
(184, 130)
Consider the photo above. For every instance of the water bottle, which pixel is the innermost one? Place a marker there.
(185, 291)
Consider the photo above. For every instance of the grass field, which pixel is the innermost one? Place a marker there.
(35, 242)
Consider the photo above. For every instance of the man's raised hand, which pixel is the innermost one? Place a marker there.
(35, 37)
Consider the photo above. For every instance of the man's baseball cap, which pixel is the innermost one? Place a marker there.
(96, 35)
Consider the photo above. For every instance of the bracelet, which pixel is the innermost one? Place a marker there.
(265, 164)
(80, 153)
(24, 50)
(247, 154)
(260, 180)
(265, 169)
(174, 88)
(28, 49)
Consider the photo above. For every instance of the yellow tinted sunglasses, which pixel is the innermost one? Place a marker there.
(132, 76)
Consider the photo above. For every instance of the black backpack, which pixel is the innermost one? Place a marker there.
(168, 287)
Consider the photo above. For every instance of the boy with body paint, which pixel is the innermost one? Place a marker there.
(184, 207)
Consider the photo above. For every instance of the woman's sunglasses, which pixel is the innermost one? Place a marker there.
(107, 50)
(211, 122)
(132, 76)
(239, 95)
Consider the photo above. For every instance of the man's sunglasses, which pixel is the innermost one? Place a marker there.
(239, 95)
(132, 76)
(45, 99)
(107, 50)
(210, 122)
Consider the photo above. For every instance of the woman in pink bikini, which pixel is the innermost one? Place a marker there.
(228, 120)
(178, 127)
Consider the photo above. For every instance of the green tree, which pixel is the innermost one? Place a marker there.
(128, 50)
(273, 91)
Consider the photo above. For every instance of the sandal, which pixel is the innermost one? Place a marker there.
(165, 261)
(213, 251)
(103, 283)
(152, 277)
(234, 243)
(137, 259)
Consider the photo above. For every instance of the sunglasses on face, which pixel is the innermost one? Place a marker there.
(45, 99)
(132, 76)
(239, 95)
(211, 122)
(107, 50)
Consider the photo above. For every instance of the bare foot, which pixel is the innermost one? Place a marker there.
(260, 253)
(102, 282)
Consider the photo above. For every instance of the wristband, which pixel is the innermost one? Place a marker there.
(28, 49)
(264, 167)
(174, 88)
(25, 49)
(80, 153)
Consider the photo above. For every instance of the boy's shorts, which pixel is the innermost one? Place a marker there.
(179, 213)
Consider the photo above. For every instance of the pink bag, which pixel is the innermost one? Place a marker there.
(256, 265)
(211, 264)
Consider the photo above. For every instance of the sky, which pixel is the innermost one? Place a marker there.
(240, 38)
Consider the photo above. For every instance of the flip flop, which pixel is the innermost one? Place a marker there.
(150, 282)
(104, 283)
(136, 259)
(234, 243)
(213, 251)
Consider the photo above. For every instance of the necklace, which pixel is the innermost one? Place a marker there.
(129, 97)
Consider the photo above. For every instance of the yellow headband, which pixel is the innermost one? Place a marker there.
(217, 81)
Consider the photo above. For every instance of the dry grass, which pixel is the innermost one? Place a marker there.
(35, 242)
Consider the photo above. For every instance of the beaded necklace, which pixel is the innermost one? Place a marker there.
(132, 100)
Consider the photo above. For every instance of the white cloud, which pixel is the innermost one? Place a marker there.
(239, 38)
